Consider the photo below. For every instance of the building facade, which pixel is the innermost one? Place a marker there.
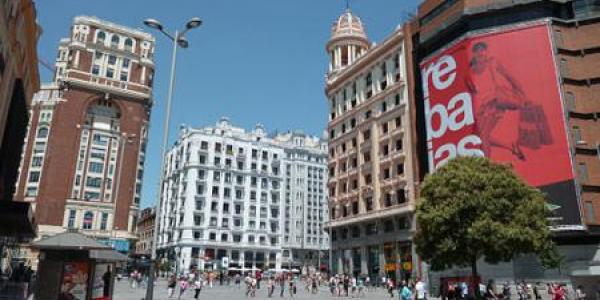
(566, 47)
(371, 166)
(223, 199)
(305, 208)
(84, 154)
(19, 81)
(145, 231)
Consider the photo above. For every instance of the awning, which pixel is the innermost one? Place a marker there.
(107, 255)
(17, 221)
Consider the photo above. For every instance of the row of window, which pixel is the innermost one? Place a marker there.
(363, 89)
(115, 41)
(349, 124)
(398, 197)
(237, 238)
(111, 66)
(87, 222)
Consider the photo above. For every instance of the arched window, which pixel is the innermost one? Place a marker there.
(114, 41)
(129, 45)
(101, 37)
(88, 220)
(42, 133)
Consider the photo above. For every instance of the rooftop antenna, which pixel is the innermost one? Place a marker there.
(347, 4)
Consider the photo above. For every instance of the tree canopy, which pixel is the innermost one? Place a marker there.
(472, 208)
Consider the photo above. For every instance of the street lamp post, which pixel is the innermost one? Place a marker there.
(178, 40)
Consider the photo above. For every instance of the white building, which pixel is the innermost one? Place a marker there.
(223, 197)
(305, 199)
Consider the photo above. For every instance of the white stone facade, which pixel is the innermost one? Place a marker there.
(223, 196)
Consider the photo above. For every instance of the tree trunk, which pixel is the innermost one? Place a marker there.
(474, 278)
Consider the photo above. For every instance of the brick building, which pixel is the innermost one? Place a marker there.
(573, 29)
(145, 231)
(19, 80)
(84, 155)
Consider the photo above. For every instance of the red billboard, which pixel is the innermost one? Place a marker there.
(497, 95)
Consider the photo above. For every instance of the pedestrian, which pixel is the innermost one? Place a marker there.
(536, 292)
(253, 285)
(390, 287)
(405, 292)
(579, 293)
(332, 285)
(314, 283)
(361, 287)
(197, 287)
(490, 291)
(183, 285)
(281, 285)
(421, 290)
(558, 292)
(506, 291)
(270, 287)
(171, 285)
(346, 283)
(292, 286)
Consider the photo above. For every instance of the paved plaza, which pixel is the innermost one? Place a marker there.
(124, 292)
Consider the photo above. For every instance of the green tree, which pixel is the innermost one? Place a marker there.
(472, 208)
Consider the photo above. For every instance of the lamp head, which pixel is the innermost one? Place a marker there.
(193, 23)
(153, 23)
(183, 42)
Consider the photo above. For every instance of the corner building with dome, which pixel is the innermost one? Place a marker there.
(372, 166)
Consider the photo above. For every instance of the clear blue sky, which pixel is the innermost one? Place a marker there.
(253, 61)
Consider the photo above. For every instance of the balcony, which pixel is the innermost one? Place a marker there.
(367, 190)
(393, 182)
(399, 154)
(385, 159)
(398, 131)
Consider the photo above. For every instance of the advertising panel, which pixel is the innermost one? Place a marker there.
(497, 95)
(74, 281)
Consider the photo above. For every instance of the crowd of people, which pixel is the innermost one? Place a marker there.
(343, 285)
(522, 291)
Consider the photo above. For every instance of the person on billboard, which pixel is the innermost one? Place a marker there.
(496, 92)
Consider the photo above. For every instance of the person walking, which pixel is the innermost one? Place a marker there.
(171, 286)
(361, 287)
(579, 293)
(405, 292)
(281, 285)
(506, 291)
(420, 290)
(390, 287)
(292, 286)
(270, 287)
(332, 285)
(197, 286)
(490, 291)
(183, 285)
(558, 292)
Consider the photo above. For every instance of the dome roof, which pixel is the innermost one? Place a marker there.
(348, 25)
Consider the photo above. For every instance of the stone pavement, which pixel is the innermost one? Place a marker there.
(124, 292)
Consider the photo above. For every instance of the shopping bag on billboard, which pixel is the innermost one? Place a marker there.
(534, 130)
